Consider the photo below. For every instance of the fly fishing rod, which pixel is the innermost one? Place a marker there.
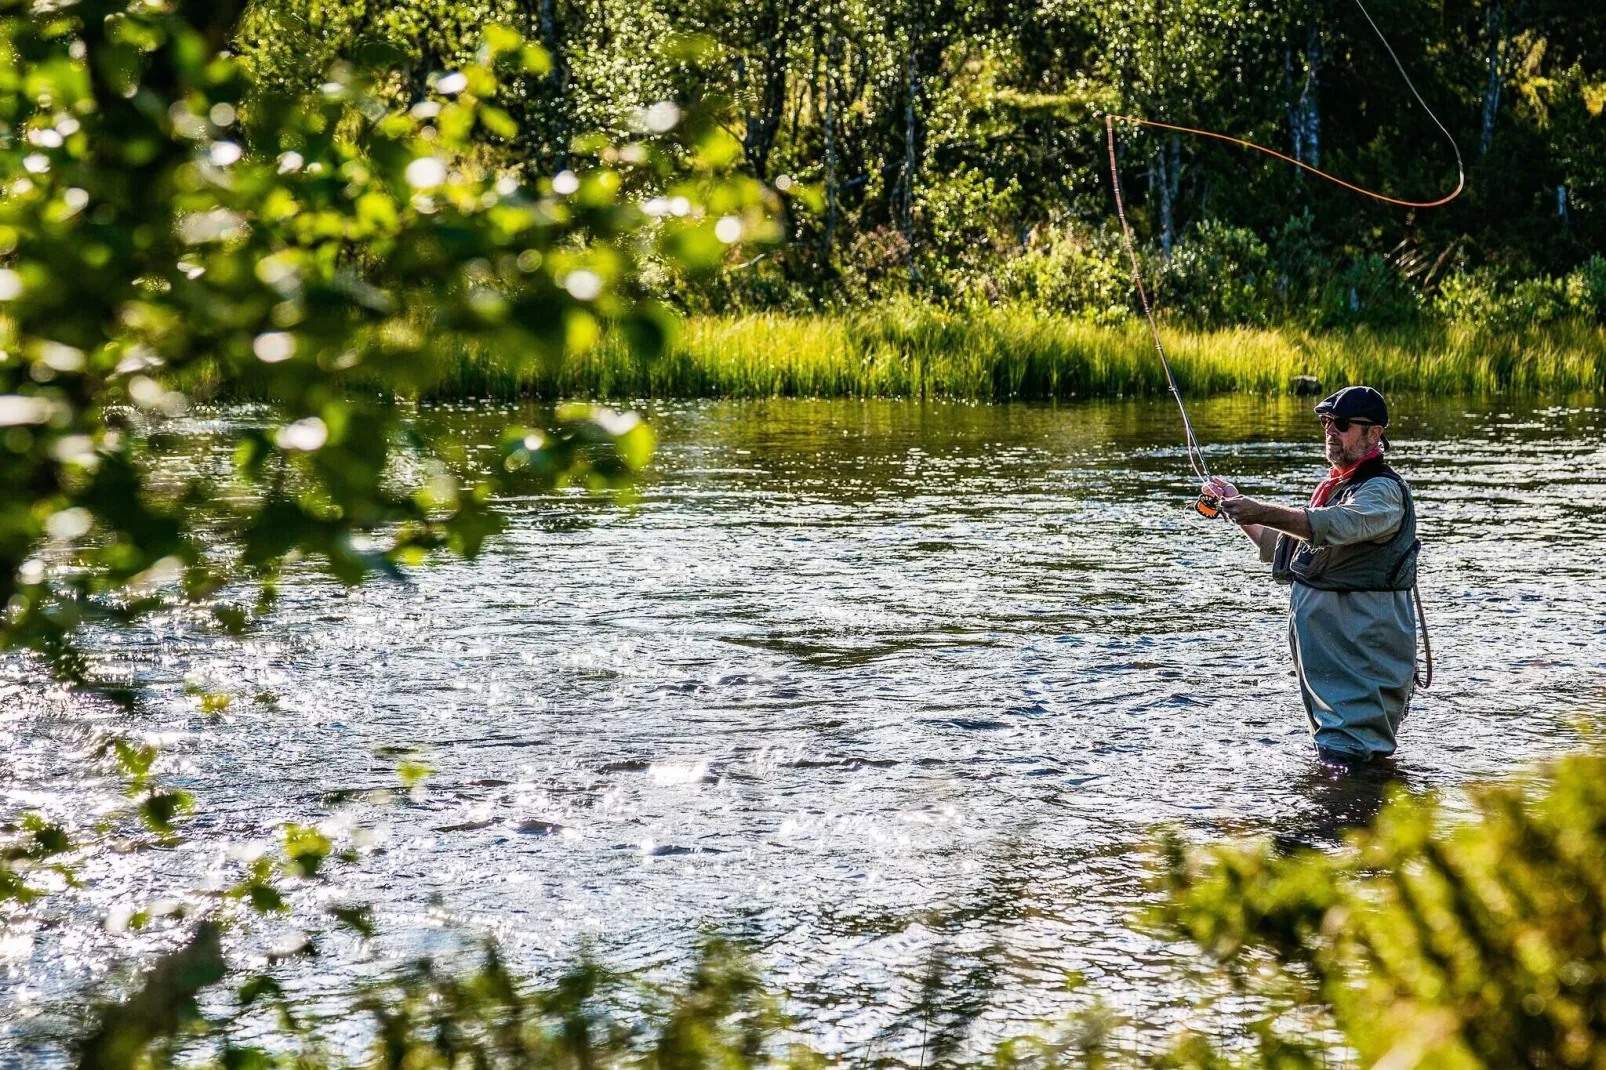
(1206, 505)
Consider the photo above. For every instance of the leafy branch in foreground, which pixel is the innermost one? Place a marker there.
(172, 233)
(1430, 941)
(426, 1017)
(166, 229)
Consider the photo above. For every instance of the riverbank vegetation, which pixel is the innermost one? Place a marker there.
(954, 152)
(908, 349)
(944, 223)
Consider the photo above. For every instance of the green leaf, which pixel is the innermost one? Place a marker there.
(635, 446)
(500, 40)
(471, 525)
(135, 759)
(248, 1058)
(358, 918)
(413, 773)
(48, 839)
(265, 899)
(696, 247)
(234, 619)
(158, 810)
(306, 848)
(498, 122)
(718, 148)
(258, 987)
(533, 59)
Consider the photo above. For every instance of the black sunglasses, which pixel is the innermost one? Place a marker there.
(1342, 423)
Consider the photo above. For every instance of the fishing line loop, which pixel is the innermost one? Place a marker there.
(1196, 460)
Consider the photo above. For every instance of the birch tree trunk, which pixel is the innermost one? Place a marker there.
(557, 83)
(1304, 111)
(1310, 96)
(828, 235)
(1491, 93)
(1166, 174)
(911, 158)
(1296, 125)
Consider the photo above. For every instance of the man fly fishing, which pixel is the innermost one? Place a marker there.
(1351, 553)
(1350, 558)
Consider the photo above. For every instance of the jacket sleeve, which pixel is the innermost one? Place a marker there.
(1373, 515)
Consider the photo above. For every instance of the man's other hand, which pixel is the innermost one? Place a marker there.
(1219, 489)
(1236, 506)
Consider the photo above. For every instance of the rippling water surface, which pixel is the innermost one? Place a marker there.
(862, 682)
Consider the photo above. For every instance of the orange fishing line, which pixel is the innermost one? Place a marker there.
(1195, 453)
(1452, 195)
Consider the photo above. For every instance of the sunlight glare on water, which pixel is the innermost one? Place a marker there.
(856, 681)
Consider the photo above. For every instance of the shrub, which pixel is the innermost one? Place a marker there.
(1483, 300)
(1368, 292)
(876, 265)
(1586, 288)
(1070, 271)
(964, 213)
(783, 280)
(1301, 264)
(1218, 274)
(1430, 941)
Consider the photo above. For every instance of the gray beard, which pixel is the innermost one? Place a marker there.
(1339, 459)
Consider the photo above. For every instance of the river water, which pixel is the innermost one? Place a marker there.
(863, 682)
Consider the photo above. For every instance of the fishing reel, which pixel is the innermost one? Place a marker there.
(1208, 507)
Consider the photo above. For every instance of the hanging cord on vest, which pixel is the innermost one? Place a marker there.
(1424, 682)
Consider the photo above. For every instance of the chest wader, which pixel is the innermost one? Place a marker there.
(1365, 566)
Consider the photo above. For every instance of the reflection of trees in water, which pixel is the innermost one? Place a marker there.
(1342, 798)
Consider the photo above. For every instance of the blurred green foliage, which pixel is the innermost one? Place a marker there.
(1435, 937)
(429, 1018)
(178, 231)
(175, 229)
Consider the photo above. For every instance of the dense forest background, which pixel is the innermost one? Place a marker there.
(955, 148)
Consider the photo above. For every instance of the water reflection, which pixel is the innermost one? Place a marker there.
(1342, 797)
(876, 684)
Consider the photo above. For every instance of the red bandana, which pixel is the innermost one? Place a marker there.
(1335, 476)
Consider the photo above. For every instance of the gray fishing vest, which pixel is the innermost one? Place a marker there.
(1365, 566)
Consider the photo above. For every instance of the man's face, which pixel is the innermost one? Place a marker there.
(1346, 447)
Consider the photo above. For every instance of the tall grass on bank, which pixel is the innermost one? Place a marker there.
(911, 350)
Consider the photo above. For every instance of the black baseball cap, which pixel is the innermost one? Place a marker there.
(1355, 403)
